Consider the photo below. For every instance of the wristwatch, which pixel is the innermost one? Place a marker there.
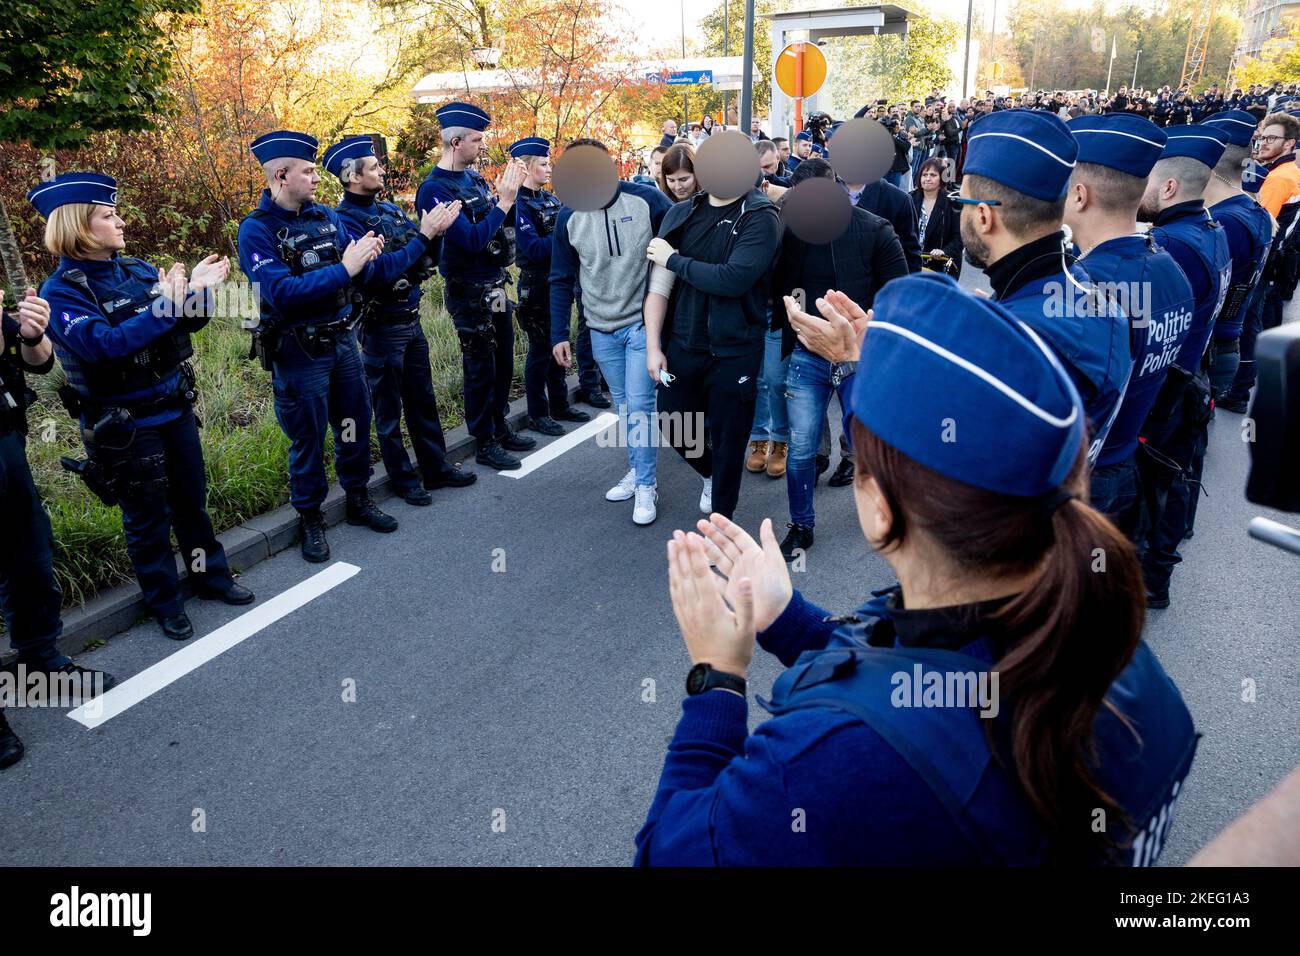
(703, 677)
(32, 343)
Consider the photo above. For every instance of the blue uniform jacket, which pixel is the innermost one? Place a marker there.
(1199, 246)
(82, 334)
(356, 212)
(1249, 230)
(1089, 333)
(820, 786)
(1160, 310)
(310, 297)
(532, 242)
(480, 218)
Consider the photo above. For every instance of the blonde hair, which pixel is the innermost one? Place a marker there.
(67, 231)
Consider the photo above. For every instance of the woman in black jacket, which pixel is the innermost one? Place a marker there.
(938, 220)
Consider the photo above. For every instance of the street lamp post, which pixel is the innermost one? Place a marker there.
(747, 80)
(1135, 69)
(686, 97)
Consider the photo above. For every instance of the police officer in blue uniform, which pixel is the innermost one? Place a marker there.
(1116, 153)
(1249, 229)
(1175, 433)
(29, 597)
(536, 209)
(1017, 170)
(297, 253)
(889, 743)
(394, 348)
(475, 252)
(122, 329)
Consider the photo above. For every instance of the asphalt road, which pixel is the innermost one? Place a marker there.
(502, 647)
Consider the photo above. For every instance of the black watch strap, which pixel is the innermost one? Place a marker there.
(703, 677)
(31, 343)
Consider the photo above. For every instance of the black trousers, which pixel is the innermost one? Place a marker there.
(545, 387)
(396, 356)
(29, 598)
(487, 349)
(720, 390)
(163, 488)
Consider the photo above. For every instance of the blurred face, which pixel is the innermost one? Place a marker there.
(931, 180)
(670, 127)
(295, 182)
(106, 226)
(768, 162)
(1273, 143)
(681, 183)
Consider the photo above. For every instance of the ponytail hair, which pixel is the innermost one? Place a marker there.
(1069, 634)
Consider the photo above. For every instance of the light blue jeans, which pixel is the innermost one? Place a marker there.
(621, 357)
(809, 390)
(771, 419)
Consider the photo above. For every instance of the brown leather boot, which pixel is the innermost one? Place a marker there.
(776, 460)
(757, 459)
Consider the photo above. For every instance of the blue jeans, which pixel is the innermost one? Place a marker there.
(621, 357)
(314, 394)
(808, 392)
(771, 418)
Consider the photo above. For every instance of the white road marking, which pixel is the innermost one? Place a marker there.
(201, 650)
(558, 447)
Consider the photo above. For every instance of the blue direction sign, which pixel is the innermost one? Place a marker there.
(681, 77)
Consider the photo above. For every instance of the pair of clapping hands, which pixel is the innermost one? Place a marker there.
(835, 335)
(175, 284)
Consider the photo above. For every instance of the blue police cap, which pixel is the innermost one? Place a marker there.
(462, 114)
(1121, 141)
(73, 187)
(1238, 125)
(804, 135)
(1202, 143)
(530, 146)
(284, 144)
(961, 386)
(1030, 151)
(351, 147)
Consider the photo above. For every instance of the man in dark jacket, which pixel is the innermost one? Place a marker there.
(705, 336)
(857, 263)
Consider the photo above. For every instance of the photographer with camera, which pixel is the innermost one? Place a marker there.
(122, 331)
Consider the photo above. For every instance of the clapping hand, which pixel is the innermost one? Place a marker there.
(33, 315)
(714, 634)
(211, 271)
(837, 335)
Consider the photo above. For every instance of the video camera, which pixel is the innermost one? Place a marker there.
(1275, 453)
(816, 126)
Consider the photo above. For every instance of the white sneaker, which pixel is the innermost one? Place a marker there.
(625, 488)
(644, 511)
(706, 499)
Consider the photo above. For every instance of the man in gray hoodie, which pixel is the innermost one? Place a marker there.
(604, 253)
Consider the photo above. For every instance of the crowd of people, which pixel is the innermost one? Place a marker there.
(1081, 388)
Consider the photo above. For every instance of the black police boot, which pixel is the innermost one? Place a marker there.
(823, 463)
(843, 474)
(11, 748)
(513, 441)
(362, 511)
(237, 595)
(178, 628)
(571, 414)
(494, 456)
(1233, 403)
(1157, 600)
(311, 525)
(81, 678)
(453, 477)
(799, 537)
(597, 400)
(416, 496)
(546, 425)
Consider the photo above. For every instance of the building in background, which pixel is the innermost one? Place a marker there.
(1263, 20)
